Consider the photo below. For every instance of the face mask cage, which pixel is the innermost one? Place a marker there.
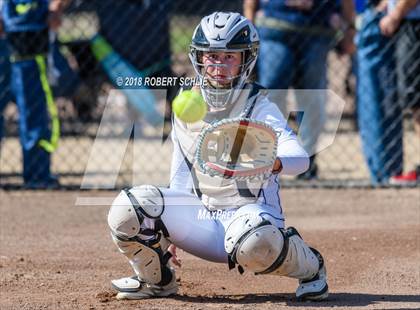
(219, 94)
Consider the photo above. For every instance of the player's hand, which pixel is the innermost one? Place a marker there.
(278, 166)
(389, 25)
(174, 259)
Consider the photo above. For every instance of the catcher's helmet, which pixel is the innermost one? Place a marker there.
(224, 32)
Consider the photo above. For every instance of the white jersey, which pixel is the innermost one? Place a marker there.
(218, 193)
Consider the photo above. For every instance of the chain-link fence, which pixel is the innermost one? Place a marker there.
(102, 48)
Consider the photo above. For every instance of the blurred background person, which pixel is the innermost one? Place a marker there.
(5, 95)
(296, 36)
(387, 83)
(26, 27)
(376, 96)
(351, 80)
(402, 24)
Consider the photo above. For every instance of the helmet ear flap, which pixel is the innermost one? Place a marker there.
(249, 58)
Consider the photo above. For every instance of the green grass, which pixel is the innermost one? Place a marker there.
(181, 31)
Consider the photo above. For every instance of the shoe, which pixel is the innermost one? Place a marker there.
(134, 288)
(315, 289)
(410, 178)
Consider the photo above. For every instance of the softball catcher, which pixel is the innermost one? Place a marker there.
(223, 203)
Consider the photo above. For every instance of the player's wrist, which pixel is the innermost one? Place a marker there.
(278, 166)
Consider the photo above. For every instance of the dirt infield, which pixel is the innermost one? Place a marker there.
(55, 255)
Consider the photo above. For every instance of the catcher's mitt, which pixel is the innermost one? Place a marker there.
(238, 148)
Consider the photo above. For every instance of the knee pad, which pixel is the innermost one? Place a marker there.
(132, 207)
(298, 261)
(253, 242)
(257, 245)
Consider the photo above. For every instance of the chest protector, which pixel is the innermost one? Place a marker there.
(217, 192)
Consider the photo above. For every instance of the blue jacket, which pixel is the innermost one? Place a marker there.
(25, 15)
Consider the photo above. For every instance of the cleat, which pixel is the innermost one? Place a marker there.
(134, 288)
(315, 289)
